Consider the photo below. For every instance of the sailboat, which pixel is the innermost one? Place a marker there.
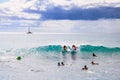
(29, 32)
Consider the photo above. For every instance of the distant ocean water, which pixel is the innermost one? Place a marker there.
(23, 40)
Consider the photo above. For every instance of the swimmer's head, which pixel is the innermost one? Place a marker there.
(64, 47)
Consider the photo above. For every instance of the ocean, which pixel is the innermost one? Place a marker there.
(40, 53)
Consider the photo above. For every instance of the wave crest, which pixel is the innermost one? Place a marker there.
(103, 49)
(49, 48)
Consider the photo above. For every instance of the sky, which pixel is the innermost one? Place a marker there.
(60, 16)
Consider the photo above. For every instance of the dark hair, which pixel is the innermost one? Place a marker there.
(73, 46)
(58, 63)
(62, 63)
(64, 46)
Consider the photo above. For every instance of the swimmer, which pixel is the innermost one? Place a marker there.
(62, 64)
(58, 64)
(64, 50)
(85, 68)
(64, 53)
(94, 55)
(73, 52)
(93, 63)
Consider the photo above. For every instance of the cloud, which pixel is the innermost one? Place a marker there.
(60, 9)
(84, 3)
(57, 26)
(17, 23)
(94, 27)
(80, 26)
(67, 16)
(98, 26)
(14, 10)
(76, 13)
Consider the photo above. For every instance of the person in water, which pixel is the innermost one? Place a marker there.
(61, 64)
(58, 64)
(73, 52)
(94, 55)
(93, 63)
(85, 68)
(64, 53)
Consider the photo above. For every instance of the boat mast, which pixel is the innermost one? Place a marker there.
(29, 32)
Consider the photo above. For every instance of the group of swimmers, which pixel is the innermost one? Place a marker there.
(92, 62)
(65, 51)
(73, 52)
(61, 64)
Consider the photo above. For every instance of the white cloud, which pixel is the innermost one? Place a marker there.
(16, 7)
(57, 26)
(42, 8)
(64, 26)
(81, 26)
(85, 3)
(28, 16)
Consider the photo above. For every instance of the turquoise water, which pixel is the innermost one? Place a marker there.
(82, 48)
